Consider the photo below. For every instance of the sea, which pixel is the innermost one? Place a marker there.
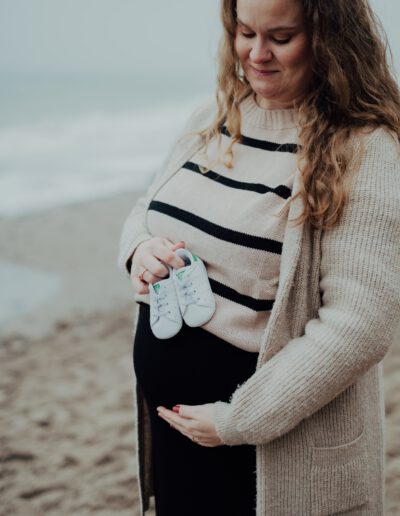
(68, 138)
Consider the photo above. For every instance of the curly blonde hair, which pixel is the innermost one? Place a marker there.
(353, 88)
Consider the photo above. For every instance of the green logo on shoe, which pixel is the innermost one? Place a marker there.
(156, 287)
(195, 257)
(180, 274)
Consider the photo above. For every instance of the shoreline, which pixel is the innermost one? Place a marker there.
(78, 244)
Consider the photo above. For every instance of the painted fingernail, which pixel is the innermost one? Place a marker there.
(176, 408)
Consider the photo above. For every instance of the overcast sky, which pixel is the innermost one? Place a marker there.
(108, 35)
(124, 35)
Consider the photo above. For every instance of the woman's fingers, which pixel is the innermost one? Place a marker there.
(141, 287)
(155, 264)
(183, 429)
(156, 270)
(166, 253)
(190, 428)
(183, 424)
(177, 245)
(153, 257)
(201, 438)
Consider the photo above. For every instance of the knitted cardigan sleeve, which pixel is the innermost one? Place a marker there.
(134, 230)
(360, 281)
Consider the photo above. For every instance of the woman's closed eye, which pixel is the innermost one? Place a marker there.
(281, 41)
(276, 40)
(247, 35)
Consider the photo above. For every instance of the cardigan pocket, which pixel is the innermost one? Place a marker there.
(339, 477)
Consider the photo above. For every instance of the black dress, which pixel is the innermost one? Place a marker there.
(193, 368)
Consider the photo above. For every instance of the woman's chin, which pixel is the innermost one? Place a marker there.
(264, 96)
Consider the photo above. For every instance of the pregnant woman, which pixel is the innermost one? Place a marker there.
(287, 187)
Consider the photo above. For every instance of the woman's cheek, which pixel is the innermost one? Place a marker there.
(239, 48)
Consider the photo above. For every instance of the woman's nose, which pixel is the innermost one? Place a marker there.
(260, 53)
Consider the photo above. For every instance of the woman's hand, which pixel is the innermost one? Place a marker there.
(194, 421)
(149, 255)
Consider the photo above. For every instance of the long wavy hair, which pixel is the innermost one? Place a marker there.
(353, 87)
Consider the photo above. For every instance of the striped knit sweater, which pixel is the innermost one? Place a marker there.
(235, 219)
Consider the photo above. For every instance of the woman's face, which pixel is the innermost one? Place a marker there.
(271, 37)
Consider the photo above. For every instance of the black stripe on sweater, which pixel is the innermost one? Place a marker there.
(263, 144)
(280, 190)
(217, 231)
(258, 305)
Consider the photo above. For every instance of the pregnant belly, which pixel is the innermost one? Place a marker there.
(193, 367)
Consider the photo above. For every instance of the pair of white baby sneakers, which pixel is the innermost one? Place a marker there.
(185, 295)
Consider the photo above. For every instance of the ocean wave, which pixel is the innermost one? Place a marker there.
(60, 160)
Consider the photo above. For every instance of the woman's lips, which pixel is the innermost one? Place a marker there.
(259, 73)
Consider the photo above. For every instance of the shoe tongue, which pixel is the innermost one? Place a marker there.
(181, 272)
(156, 287)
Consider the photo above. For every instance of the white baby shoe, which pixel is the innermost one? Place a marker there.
(195, 297)
(165, 315)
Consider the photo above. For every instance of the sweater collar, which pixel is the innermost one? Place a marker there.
(274, 119)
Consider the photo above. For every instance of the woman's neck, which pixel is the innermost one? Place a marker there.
(265, 103)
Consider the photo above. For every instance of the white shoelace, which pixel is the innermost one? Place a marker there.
(188, 294)
(160, 307)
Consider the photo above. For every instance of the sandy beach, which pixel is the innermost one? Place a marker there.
(66, 384)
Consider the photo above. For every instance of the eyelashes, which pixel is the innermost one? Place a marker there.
(278, 41)
(249, 35)
(281, 41)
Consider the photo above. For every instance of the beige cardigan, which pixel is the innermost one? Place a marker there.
(314, 407)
